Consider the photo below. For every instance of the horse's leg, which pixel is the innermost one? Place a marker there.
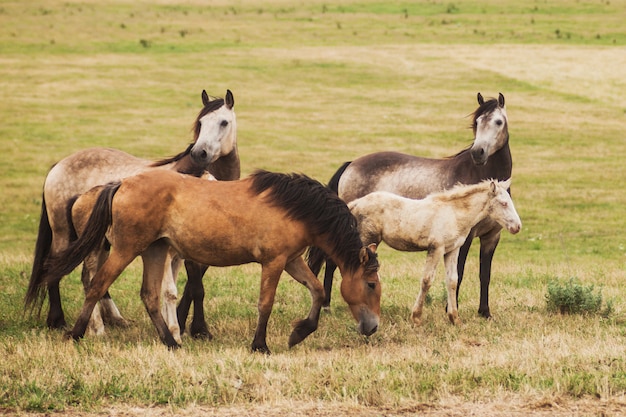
(56, 318)
(110, 313)
(169, 293)
(488, 244)
(299, 270)
(328, 282)
(90, 267)
(270, 274)
(156, 266)
(194, 291)
(106, 275)
(450, 260)
(430, 268)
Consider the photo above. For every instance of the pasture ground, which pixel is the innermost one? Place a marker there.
(316, 85)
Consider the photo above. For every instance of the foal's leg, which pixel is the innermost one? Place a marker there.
(106, 275)
(430, 268)
(156, 265)
(450, 261)
(299, 270)
(270, 274)
(194, 292)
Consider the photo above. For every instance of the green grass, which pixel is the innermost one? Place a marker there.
(316, 85)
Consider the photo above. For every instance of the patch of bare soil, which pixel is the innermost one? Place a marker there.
(540, 408)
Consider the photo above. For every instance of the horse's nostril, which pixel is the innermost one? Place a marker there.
(203, 154)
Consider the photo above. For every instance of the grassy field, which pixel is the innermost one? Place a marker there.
(316, 85)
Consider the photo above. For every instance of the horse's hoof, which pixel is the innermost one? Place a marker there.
(70, 336)
(120, 322)
(261, 349)
(56, 324)
(202, 335)
(301, 330)
(416, 320)
(326, 309)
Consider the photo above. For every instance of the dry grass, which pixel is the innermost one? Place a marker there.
(314, 88)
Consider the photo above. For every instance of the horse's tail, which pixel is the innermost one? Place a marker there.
(92, 236)
(315, 256)
(35, 293)
(333, 184)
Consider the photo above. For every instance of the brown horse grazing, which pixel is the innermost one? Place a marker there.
(214, 149)
(267, 218)
(489, 157)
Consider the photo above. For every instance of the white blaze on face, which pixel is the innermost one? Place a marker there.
(217, 134)
(489, 135)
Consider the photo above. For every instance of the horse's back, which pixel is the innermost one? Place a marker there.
(407, 175)
(78, 173)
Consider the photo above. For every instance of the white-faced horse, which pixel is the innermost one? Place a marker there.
(438, 224)
(415, 177)
(214, 149)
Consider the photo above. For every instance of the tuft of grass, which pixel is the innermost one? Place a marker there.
(572, 297)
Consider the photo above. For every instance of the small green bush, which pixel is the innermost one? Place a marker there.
(575, 298)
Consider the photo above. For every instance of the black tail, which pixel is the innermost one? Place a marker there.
(333, 184)
(36, 292)
(93, 236)
(315, 256)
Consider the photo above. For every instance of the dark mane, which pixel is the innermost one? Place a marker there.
(487, 107)
(319, 208)
(210, 107)
(173, 158)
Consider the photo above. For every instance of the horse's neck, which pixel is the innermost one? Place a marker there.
(227, 167)
(185, 165)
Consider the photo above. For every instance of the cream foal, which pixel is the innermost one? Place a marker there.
(438, 224)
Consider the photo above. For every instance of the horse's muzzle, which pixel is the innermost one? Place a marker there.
(368, 323)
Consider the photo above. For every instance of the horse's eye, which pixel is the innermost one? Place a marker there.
(505, 204)
(372, 285)
(499, 122)
(224, 123)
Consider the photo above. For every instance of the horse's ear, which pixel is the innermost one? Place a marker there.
(493, 187)
(481, 100)
(229, 100)
(500, 100)
(363, 255)
(372, 247)
(205, 98)
(506, 184)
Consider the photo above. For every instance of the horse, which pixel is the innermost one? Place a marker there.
(438, 224)
(267, 218)
(415, 177)
(214, 149)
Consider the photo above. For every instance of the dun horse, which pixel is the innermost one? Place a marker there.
(415, 177)
(438, 224)
(267, 218)
(214, 149)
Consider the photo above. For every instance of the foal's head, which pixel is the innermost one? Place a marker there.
(490, 128)
(502, 209)
(215, 129)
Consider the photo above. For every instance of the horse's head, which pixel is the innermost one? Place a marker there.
(502, 209)
(490, 128)
(361, 290)
(215, 129)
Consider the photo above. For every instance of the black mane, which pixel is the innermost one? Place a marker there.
(310, 202)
